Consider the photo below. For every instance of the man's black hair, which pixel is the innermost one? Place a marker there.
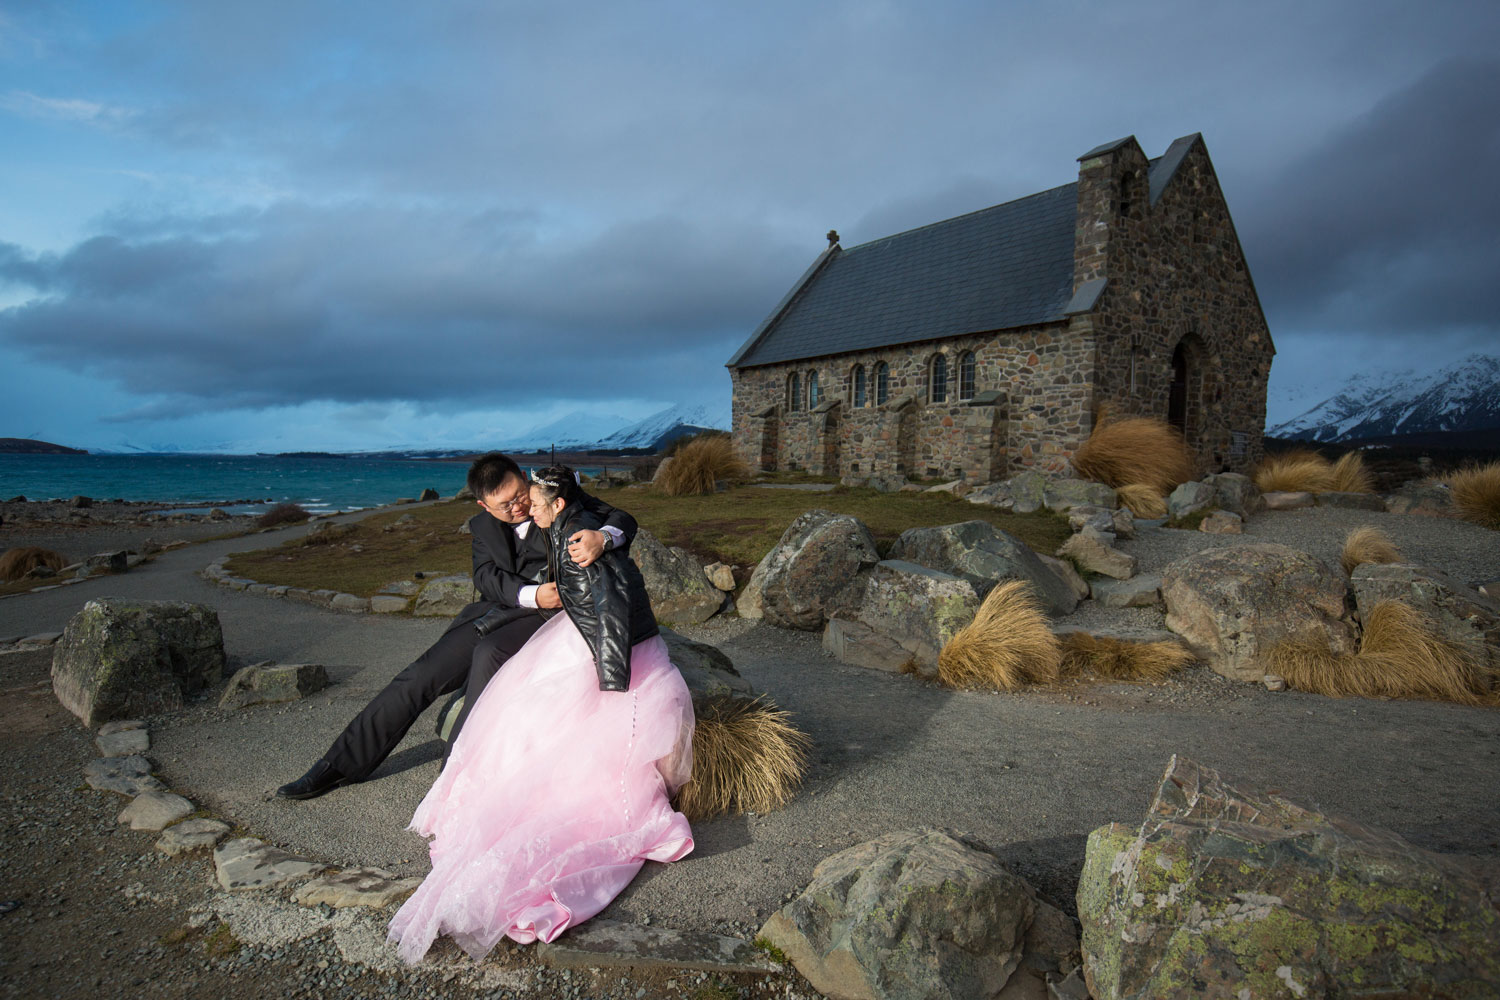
(489, 473)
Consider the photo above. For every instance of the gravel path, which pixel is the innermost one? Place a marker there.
(1030, 773)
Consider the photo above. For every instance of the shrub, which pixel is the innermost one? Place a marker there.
(1476, 493)
(1008, 644)
(1350, 476)
(16, 563)
(1143, 500)
(1367, 545)
(701, 462)
(283, 513)
(1120, 660)
(1400, 656)
(747, 755)
(1135, 450)
(1296, 471)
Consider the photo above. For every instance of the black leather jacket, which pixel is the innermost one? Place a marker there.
(607, 600)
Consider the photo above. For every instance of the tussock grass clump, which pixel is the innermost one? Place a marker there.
(16, 563)
(1143, 500)
(1476, 493)
(747, 755)
(1120, 660)
(1007, 645)
(1400, 656)
(1350, 475)
(699, 463)
(1296, 471)
(1135, 450)
(1367, 545)
(283, 513)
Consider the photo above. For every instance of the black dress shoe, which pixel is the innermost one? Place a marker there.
(319, 779)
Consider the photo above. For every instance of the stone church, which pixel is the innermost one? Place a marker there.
(987, 344)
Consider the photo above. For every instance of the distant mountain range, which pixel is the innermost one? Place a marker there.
(582, 432)
(30, 446)
(1461, 397)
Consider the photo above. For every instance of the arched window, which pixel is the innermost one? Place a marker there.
(814, 394)
(857, 380)
(938, 384)
(882, 383)
(794, 392)
(966, 375)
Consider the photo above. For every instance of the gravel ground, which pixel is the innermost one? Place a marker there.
(1031, 773)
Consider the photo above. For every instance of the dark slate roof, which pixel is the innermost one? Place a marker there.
(1001, 267)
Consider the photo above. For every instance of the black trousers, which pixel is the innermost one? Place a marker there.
(489, 656)
(447, 665)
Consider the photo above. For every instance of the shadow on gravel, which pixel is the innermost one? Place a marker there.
(405, 760)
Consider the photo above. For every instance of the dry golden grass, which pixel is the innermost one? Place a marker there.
(1476, 493)
(1007, 645)
(1123, 661)
(747, 755)
(1143, 500)
(1135, 450)
(1296, 471)
(1350, 475)
(1367, 545)
(16, 563)
(701, 462)
(1400, 656)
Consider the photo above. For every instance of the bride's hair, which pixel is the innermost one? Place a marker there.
(557, 481)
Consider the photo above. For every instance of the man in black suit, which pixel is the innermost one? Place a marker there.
(510, 561)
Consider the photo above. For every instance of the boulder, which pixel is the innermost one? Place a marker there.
(429, 494)
(661, 470)
(1092, 552)
(443, 596)
(919, 913)
(106, 562)
(862, 646)
(1137, 592)
(1023, 493)
(920, 608)
(680, 593)
(1222, 522)
(121, 658)
(349, 602)
(1351, 501)
(401, 588)
(706, 669)
(385, 604)
(1427, 497)
(1189, 498)
(81, 502)
(816, 571)
(1233, 892)
(1232, 604)
(1068, 574)
(1287, 501)
(720, 575)
(218, 514)
(328, 532)
(983, 554)
(464, 493)
(1462, 614)
(1236, 493)
(751, 600)
(270, 683)
(1062, 495)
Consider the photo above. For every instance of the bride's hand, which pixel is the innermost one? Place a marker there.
(546, 596)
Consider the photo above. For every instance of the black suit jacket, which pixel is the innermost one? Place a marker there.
(503, 563)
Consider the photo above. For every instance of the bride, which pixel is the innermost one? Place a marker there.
(557, 789)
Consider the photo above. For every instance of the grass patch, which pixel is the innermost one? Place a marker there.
(772, 952)
(1119, 660)
(1135, 450)
(283, 513)
(221, 942)
(1144, 500)
(1301, 470)
(716, 989)
(1007, 646)
(697, 463)
(1367, 545)
(1476, 494)
(747, 756)
(16, 563)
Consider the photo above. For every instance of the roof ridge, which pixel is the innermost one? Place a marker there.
(955, 218)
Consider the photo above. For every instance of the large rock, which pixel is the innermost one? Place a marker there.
(983, 554)
(1427, 497)
(859, 644)
(1063, 495)
(1232, 604)
(1227, 892)
(1137, 592)
(751, 600)
(121, 658)
(1461, 614)
(816, 571)
(680, 593)
(920, 608)
(1023, 493)
(922, 913)
(706, 669)
(1066, 572)
(1236, 493)
(1189, 498)
(443, 596)
(1222, 522)
(1091, 550)
(269, 683)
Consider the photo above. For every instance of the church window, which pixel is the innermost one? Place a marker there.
(794, 392)
(814, 394)
(966, 375)
(882, 383)
(857, 380)
(938, 380)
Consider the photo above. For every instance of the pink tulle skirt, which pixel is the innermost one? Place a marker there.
(553, 797)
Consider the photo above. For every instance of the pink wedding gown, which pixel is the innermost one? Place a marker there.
(553, 797)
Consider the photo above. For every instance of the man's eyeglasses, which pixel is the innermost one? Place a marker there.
(509, 506)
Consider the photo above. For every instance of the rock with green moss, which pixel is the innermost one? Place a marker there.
(918, 607)
(982, 553)
(269, 683)
(817, 570)
(121, 659)
(1224, 892)
(680, 593)
(917, 913)
(444, 596)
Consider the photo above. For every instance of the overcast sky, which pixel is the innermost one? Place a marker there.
(290, 225)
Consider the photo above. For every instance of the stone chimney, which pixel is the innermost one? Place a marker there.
(1112, 189)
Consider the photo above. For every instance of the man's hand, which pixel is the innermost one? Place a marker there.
(585, 546)
(546, 596)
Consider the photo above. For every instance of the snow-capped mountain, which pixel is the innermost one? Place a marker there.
(1461, 397)
(573, 432)
(659, 428)
(586, 432)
